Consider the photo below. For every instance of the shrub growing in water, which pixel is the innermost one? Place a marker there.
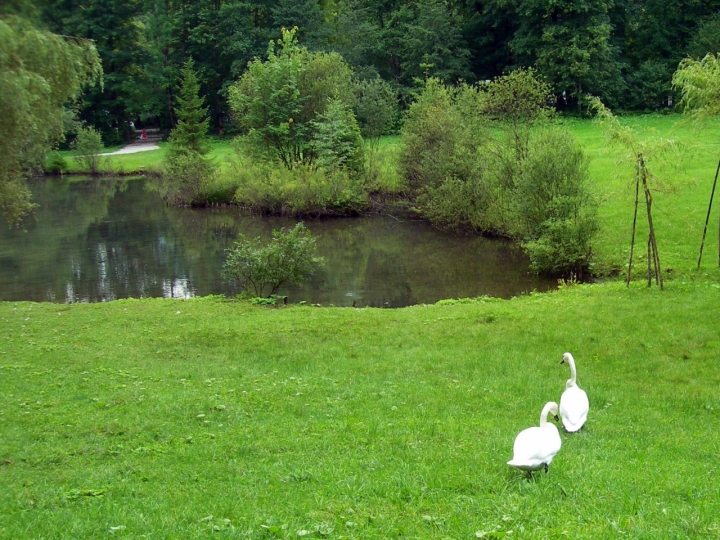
(288, 258)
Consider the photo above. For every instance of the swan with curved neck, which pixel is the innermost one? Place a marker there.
(535, 447)
(574, 404)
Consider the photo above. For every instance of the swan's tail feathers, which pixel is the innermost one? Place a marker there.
(574, 424)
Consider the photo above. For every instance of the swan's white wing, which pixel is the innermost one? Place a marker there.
(574, 407)
(535, 447)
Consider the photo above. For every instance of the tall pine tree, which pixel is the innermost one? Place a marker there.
(187, 169)
(190, 134)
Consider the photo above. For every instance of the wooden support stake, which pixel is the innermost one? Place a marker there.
(632, 238)
(707, 218)
(650, 258)
(651, 234)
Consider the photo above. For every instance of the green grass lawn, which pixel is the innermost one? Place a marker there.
(186, 419)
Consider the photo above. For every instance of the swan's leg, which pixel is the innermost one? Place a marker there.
(546, 468)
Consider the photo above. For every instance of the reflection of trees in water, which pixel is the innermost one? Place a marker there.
(386, 280)
(37, 254)
(377, 260)
(109, 238)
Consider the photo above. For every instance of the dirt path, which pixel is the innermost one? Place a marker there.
(133, 148)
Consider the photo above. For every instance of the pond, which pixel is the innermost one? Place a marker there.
(104, 239)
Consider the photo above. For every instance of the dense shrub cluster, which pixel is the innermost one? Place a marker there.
(488, 159)
(302, 152)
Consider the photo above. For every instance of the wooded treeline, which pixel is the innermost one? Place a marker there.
(623, 51)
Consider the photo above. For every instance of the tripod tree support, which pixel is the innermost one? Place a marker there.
(653, 256)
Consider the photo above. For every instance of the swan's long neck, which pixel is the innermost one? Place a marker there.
(572, 381)
(550, 407)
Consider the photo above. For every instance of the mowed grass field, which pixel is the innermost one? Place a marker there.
(208, 417)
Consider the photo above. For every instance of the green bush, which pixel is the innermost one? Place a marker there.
(187, 171)
(479, 159)
(438, 140)
(564, 246)
(457, 204)
(288, 258)
(186, 177)
(55, 163)
(278, 100)
(381, 175)
(551, 182)
(377, 103)
(337, 139)
(87, 145)
(555, 212)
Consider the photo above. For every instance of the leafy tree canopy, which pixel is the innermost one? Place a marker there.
(699, 84)
(277, 100)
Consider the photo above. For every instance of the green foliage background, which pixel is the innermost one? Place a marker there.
(624, 52)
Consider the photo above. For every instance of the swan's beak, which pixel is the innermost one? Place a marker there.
(562, 361)
(556, 418)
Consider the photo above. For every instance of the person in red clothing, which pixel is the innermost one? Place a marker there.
(143, 135)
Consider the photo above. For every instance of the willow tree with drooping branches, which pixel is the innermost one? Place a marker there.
(699, 85)
(40, 73)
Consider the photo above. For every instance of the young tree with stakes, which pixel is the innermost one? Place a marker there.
(641, 150)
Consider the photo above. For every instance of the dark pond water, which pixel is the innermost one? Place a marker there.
(99, 240)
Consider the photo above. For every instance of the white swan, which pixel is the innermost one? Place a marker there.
(536, 447)
(574, 404)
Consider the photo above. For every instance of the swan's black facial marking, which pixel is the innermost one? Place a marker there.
(556, 418)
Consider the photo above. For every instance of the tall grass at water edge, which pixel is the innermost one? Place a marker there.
(185, 419)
